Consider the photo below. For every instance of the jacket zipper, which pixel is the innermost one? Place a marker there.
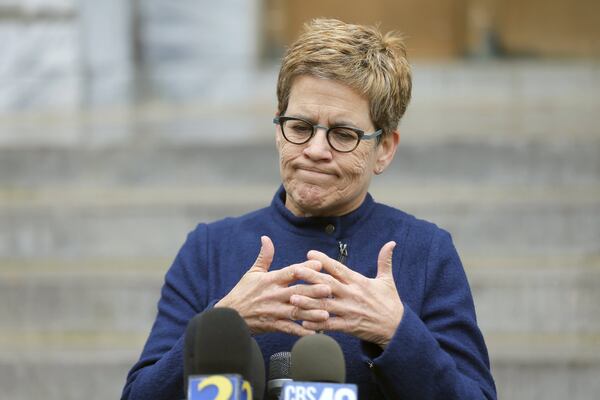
(343, 252)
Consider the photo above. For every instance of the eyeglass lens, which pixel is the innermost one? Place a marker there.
(340, 138)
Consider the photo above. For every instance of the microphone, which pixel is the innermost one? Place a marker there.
(219, 354)
(279, 373)
(318, 358)
(257, 371)
(319, 371)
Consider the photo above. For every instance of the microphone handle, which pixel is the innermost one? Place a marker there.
(274, 387)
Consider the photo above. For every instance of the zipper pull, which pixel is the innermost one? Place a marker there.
(343, 252)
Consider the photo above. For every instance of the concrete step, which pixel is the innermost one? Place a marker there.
(502, 159)
(525, 367)
(80, 296)
(77, 341)
(499, 99)
(540, 367)
(543, 295)
(94, 373)
(88, 222)
(513, 295)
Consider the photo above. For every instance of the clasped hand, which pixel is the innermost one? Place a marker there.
(339, 300)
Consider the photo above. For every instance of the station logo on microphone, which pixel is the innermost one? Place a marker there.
(218, 387)
(318, 391)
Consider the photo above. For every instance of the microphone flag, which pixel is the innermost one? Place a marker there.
(318, 391)
(218, 387)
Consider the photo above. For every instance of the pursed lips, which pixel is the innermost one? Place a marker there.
(315, 170)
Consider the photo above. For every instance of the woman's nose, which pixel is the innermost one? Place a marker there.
(318, 148)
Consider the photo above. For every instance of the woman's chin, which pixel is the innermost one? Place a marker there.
(311, 200)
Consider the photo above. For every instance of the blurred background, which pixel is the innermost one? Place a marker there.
(125, 123)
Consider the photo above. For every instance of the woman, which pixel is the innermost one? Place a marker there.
(388, 287)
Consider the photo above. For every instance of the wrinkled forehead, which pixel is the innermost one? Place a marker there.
(328, 101)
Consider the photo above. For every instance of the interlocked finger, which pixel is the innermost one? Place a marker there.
(316, 277)
(338, 270)
(308, 303)
(299, 314)
(290, 327)
(332, 324)
(314, 291)
(290, 273)
(293, 313)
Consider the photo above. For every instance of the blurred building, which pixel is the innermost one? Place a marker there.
(69, 53)
(454, 29)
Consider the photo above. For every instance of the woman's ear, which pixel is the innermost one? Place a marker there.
(277, 136)
(386, 149)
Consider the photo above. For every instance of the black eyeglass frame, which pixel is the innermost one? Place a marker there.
(280, 120)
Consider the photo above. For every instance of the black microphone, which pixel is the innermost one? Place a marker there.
(318, 371)
(218, 347)
(257, 371)
(217, 341)
(279, 373)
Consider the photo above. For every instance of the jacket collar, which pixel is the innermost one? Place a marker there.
(343, 226)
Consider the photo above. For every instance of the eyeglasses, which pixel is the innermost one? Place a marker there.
(341, 138)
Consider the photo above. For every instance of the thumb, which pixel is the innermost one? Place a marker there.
(384, 261)
(265, 257)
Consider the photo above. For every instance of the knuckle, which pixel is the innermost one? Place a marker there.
(278, 327)
(305, 290)
(294, 313)
(296, 289)
(348, 326)
(324, 304)
(264, 319)
(319, 316)
(289, 329)
(326, 290)
(339, 268)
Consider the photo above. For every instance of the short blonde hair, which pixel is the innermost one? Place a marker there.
(359, 56)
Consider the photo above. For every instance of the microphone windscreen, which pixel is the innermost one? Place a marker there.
(279, 373)
(318, 358)
(279, 365)
(217, 341)
(188, 349)
(257, 371)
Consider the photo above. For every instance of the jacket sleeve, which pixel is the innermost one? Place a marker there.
(158, 374)
(438, 352)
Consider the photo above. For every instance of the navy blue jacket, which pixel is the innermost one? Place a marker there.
(437, 352)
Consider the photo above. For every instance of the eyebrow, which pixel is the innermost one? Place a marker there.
(336, 123)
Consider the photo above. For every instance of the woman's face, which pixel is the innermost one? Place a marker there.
(318, 180)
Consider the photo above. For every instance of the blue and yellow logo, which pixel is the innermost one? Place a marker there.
(219, 387)
(246, 391)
